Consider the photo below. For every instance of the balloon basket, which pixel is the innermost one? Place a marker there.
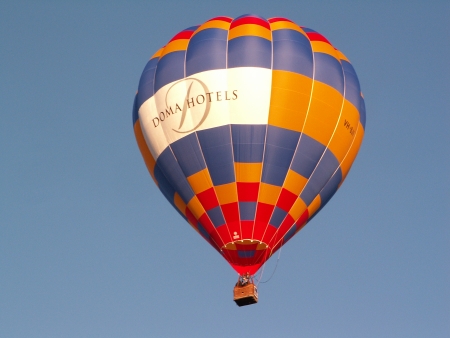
(245, 292)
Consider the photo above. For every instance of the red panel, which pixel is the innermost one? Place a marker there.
(247, 229)
(313, 36)
(224, 233)
(190, 216)
(269, 233)
(230, 212)
(251, 269)
(250, 20)
(235, 230)
(278, 19)
(264, 212)
(303, 219)
(222, 18)
(206, 223)
(286, 200)
(208, 199)
(282, 230)
(182, 35)
(220, 234)
(247, 192)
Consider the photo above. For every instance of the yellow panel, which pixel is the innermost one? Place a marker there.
(200, 181)
(286, 25)
(179, 203)
(345, 131)
(324, 112)
(323, 47)
(269, 193)
(213, 24)
(289, 99)
(248, 172)
(250, 29)
(297, 209)
(294, 182)
(341, 55)
(146, 154)
(196, 207)
(226, 193)
(348, 160)
(158, 53)
(174, 46)
(314, 206)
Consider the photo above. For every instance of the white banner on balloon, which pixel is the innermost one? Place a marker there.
(203, 101)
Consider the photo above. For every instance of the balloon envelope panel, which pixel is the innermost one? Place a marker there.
(248, 126)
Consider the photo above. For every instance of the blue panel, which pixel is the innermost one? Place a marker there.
(203, 231)
(280, 147)
(164, 185)
(188, 154)
(170, 68)
(325, 169)
(307, 155)
(292, 52)
(135, 110)
(248, 142)
(166, 188)
(329, 70)
(207, 50)
(308, 30)
(249, 51)
(278, 217)
(290, 233)
(362, 112)
(172, 171)
(330, 187)
(247, 211)
(250, 16)
(146, 83)
(217, 151)
(246, 253)
(352, 89)
(216, 216)
(192, 28)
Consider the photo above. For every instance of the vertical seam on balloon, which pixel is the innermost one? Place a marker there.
(231, 138)
(232, 150)
(264, 252)
(298, 142)
(327, 147)
(265, 140)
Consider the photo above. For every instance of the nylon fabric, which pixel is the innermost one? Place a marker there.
(248, 127)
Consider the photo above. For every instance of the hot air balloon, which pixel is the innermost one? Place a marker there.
(248, 127)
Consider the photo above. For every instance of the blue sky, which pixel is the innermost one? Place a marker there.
(90, 248)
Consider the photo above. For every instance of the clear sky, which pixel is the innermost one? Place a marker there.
(90, 248)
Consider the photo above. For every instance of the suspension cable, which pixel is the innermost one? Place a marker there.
(273, 272)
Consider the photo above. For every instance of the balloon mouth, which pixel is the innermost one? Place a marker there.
(249, 244)
(246, 255)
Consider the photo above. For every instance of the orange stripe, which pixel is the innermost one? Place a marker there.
(174, 46)
(158, 53)
(218, 24)
(250, 30)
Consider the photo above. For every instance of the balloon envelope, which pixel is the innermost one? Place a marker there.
(248, 127)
